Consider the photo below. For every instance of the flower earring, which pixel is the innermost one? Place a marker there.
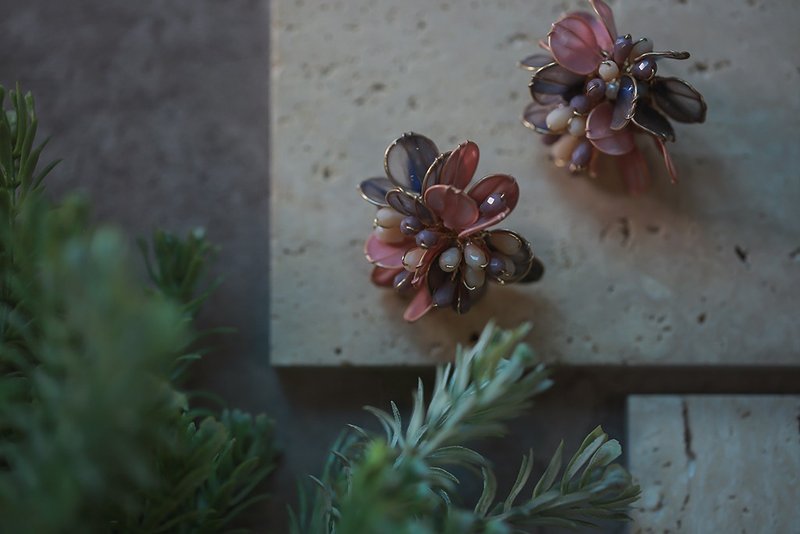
(431, 237)
(595, 89)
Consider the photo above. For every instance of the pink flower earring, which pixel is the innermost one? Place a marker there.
(431, 237)
(595, 89)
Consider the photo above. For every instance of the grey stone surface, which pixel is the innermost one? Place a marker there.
(715, 463)
(651, 280)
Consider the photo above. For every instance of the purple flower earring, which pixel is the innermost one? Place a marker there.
(595, 89)
(431, 237)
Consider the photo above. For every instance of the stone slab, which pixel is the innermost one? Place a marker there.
(705, 272)
(715, 463)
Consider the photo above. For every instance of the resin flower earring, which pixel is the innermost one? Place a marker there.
(595, 89)
(430, 236)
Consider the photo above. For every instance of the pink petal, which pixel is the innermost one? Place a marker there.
(421, 304)
(600, 32)
(673, 172)
(634, 171)
(460, 166)
(607, 16)
(454, 207)
(385, 254)
(574, 45)
(501, 184)
(384, 277)
(599, 132)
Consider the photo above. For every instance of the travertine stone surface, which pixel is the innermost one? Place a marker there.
(705, 272)
(715, 463)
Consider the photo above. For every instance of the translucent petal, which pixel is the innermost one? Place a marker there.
(554, 79)
(459, 168)
(407, 160)
(534, 117)
(574, 45)
(599, 132)
(383, 277)
(454, 207)
(536, 61)
(679, 100)
(374, 190)
(497, 184)
(607, 16)
(653, 122)
(521, 255)
(433, 176)
(384, 254)
(599, 29)
(625, 105)
(419, 306)
(409, 205)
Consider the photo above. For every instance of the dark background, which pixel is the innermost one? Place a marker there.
(159, 110)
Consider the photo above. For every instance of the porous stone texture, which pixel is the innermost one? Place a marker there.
(715, 463)
(704, 272)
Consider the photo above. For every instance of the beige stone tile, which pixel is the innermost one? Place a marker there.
(715, 463)
(651, 280)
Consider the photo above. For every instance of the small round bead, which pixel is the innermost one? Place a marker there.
(402, 282)
(410, 225)
(389, 235)
(642, 46)
(500, 266)
(622, 48)
(388, 218)
(557, 119)
(595, 90)
(577, 126)
(612, 89)
(443, 296)
(412, 258)
(645, 69)
(450, 259)
(427, 238)
(474, 256)
(494, 204)
(608, 70)
(581, 155)
(474, 278)
(580, 103)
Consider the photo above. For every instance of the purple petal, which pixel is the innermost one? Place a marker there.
(409, 205)
(534, 117)
(553, 79)
(625, 105)
(433, 176)
(374, 190)
(536, 61)
(653, 122)
(407, 160)
(679, 100)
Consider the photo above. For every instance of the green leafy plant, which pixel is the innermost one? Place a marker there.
(403, 481)
(95, 434)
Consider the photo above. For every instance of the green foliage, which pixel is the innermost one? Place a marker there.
(94, 434)
(403, 481)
